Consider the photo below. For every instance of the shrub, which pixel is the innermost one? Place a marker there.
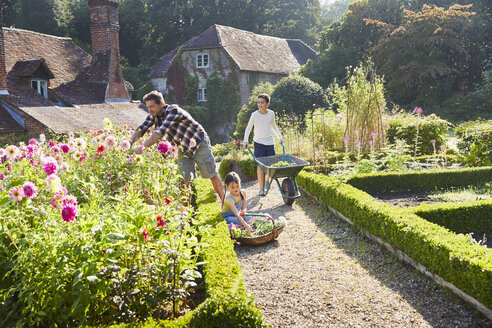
(325, 128)
(295, 94)
(476, 142)
(404, 126)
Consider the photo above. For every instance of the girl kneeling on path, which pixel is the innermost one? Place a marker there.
(234, 207)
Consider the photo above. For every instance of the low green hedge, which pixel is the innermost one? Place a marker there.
(421, 180)
(227, 303)
(473, 216)
(451, 256)
(244, 161)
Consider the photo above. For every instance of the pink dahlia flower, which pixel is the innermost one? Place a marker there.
(16, 194)
(30, 190)
(163, 147)
(50, 168)
(69, 213)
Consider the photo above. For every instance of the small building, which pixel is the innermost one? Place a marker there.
(49, 84)
(250, 58)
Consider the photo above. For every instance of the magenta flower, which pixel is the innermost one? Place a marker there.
(443, 146)
(51, 143)
(33, 142)
(163, 147)
(373, 134)
(30, 190)
(16, 194)
(69, 213)
(346, 138)
(50, 168)
(433, 142)
(418, 111)
(358, 143)
(57, 200)
(65, 148)
(399, 149)
(2, 176)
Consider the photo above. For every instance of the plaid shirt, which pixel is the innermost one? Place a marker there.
(177, 126)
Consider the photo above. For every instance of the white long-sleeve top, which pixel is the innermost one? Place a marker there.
(264, 127)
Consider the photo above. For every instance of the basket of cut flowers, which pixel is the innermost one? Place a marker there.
(265, 228)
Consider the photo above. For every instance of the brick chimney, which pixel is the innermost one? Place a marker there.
(3, 70)
(106, 49)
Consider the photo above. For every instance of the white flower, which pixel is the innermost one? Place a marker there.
(110, 141)
(124, 145)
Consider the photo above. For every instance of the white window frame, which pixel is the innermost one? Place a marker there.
(202, 94)
(42, 87)
(200, 59)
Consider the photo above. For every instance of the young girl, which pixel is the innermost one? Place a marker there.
(263, 121)
(234, 207)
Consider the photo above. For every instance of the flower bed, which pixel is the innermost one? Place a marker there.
(466, 265)
(93, 234)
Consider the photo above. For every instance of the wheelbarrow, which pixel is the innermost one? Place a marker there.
(288, 189)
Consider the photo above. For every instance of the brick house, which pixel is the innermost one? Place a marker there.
(251, 57)
(48, 83)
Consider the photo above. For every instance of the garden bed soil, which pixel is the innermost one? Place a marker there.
(407, 199)
(320, 272)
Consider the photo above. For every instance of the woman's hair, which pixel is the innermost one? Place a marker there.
(233, 177)
(265, 96)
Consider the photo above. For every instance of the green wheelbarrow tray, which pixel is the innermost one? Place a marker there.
(288, 189)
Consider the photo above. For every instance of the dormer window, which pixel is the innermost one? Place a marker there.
(202, 60)
(41, 86)
(35, 72)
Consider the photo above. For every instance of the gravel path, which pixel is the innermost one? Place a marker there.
(322, 273)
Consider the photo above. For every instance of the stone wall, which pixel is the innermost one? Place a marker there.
(3, 71)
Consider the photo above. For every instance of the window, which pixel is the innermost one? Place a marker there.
(41, 86)
(202, 94)
(201, 60)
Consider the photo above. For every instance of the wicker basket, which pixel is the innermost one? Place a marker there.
(263, 239)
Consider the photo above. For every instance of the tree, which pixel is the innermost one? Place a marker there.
(344, 43)
(426, 59)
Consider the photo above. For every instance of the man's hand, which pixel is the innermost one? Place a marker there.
(139, 150)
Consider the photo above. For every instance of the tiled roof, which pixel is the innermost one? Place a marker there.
(87, 117)
(30, 68)
(250, 51)
(63, 57)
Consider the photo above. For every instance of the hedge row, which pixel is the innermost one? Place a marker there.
(473, 216)
(421, 180)
(453, 257)
(227, 303)
(245, 163)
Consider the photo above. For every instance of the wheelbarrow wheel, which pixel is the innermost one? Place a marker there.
(289, 190)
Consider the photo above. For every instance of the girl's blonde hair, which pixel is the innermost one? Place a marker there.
(233, 177)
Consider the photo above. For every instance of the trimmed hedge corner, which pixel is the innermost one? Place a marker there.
(453, 257)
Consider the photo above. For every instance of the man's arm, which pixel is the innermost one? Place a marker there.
(135, 136)
(149, 142)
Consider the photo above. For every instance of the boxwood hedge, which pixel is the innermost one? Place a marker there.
(472, 216)
(453, 257)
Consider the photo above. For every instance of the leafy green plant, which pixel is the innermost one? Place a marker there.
(90, 235)
(476, 142)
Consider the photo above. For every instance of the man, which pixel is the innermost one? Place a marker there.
(181, 130)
